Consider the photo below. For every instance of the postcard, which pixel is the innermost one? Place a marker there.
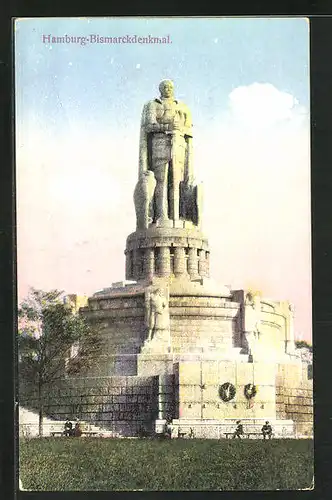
(164, 254)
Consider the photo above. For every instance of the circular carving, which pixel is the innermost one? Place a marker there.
(250, 391)
(227, 391)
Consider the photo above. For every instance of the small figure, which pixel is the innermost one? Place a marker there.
(167, 429)
(267, 430)
(77, 430)
(181, 434)
(68, 428)
(191, 434)
(142, 433)
(252, 319)
(171, 430)
(239, 430)
(158, 315)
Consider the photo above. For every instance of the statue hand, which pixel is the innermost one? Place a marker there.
(176, 124)
(188, 132)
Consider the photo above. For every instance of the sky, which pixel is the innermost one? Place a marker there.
(78, 108)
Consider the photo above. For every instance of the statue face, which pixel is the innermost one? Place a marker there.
(166, 88)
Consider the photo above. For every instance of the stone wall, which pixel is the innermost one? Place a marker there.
(199, 386)
(197, 324)
(206, 331)
(123, 405)
(122, 319)
(204, 323)
(273, 333)
(294, 397)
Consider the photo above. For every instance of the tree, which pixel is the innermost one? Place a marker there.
(48, 330)
(299, 344)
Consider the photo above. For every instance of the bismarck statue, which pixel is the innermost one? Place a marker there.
(168, 241)
(165, 192)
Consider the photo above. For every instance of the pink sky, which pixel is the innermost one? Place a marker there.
(75, 208)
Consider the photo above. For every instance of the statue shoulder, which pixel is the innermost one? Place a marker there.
(183, 106)
(152, 103)
(149, 109)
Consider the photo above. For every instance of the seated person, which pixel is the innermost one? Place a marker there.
(181, 434)
(267, 430)
(238, 431)
(142, 431)
(77, 430)
(68, 428)
(167, 428)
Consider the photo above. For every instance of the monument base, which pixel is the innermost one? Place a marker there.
(203, 349)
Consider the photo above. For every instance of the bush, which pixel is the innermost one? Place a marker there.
(131, 464)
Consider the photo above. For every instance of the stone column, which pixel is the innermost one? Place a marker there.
(149, 262)
(165, 261)
(201, 264)
(193, 263)
(207, 264)
(179, 261)
(137, 264)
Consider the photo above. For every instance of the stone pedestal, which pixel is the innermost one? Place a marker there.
(164, 252)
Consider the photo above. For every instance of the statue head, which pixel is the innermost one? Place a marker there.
(166, 88)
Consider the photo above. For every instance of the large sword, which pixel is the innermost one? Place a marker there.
(176, 178)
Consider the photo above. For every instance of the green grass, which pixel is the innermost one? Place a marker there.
(131, 464)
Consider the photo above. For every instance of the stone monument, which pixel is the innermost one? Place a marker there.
(168, 204)
(179, 346)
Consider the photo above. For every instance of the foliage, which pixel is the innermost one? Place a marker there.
(300, 344)
(148, 464)
(48, 331)
(252, 293)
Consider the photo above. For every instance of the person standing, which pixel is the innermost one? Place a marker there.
(267, 430)
(239, 430)
(68, 428)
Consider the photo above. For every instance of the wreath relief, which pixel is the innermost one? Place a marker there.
(227, 391)
(250, 391)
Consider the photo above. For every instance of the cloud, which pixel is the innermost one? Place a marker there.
(261, 105)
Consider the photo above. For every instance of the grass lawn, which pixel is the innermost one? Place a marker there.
(131, 464)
